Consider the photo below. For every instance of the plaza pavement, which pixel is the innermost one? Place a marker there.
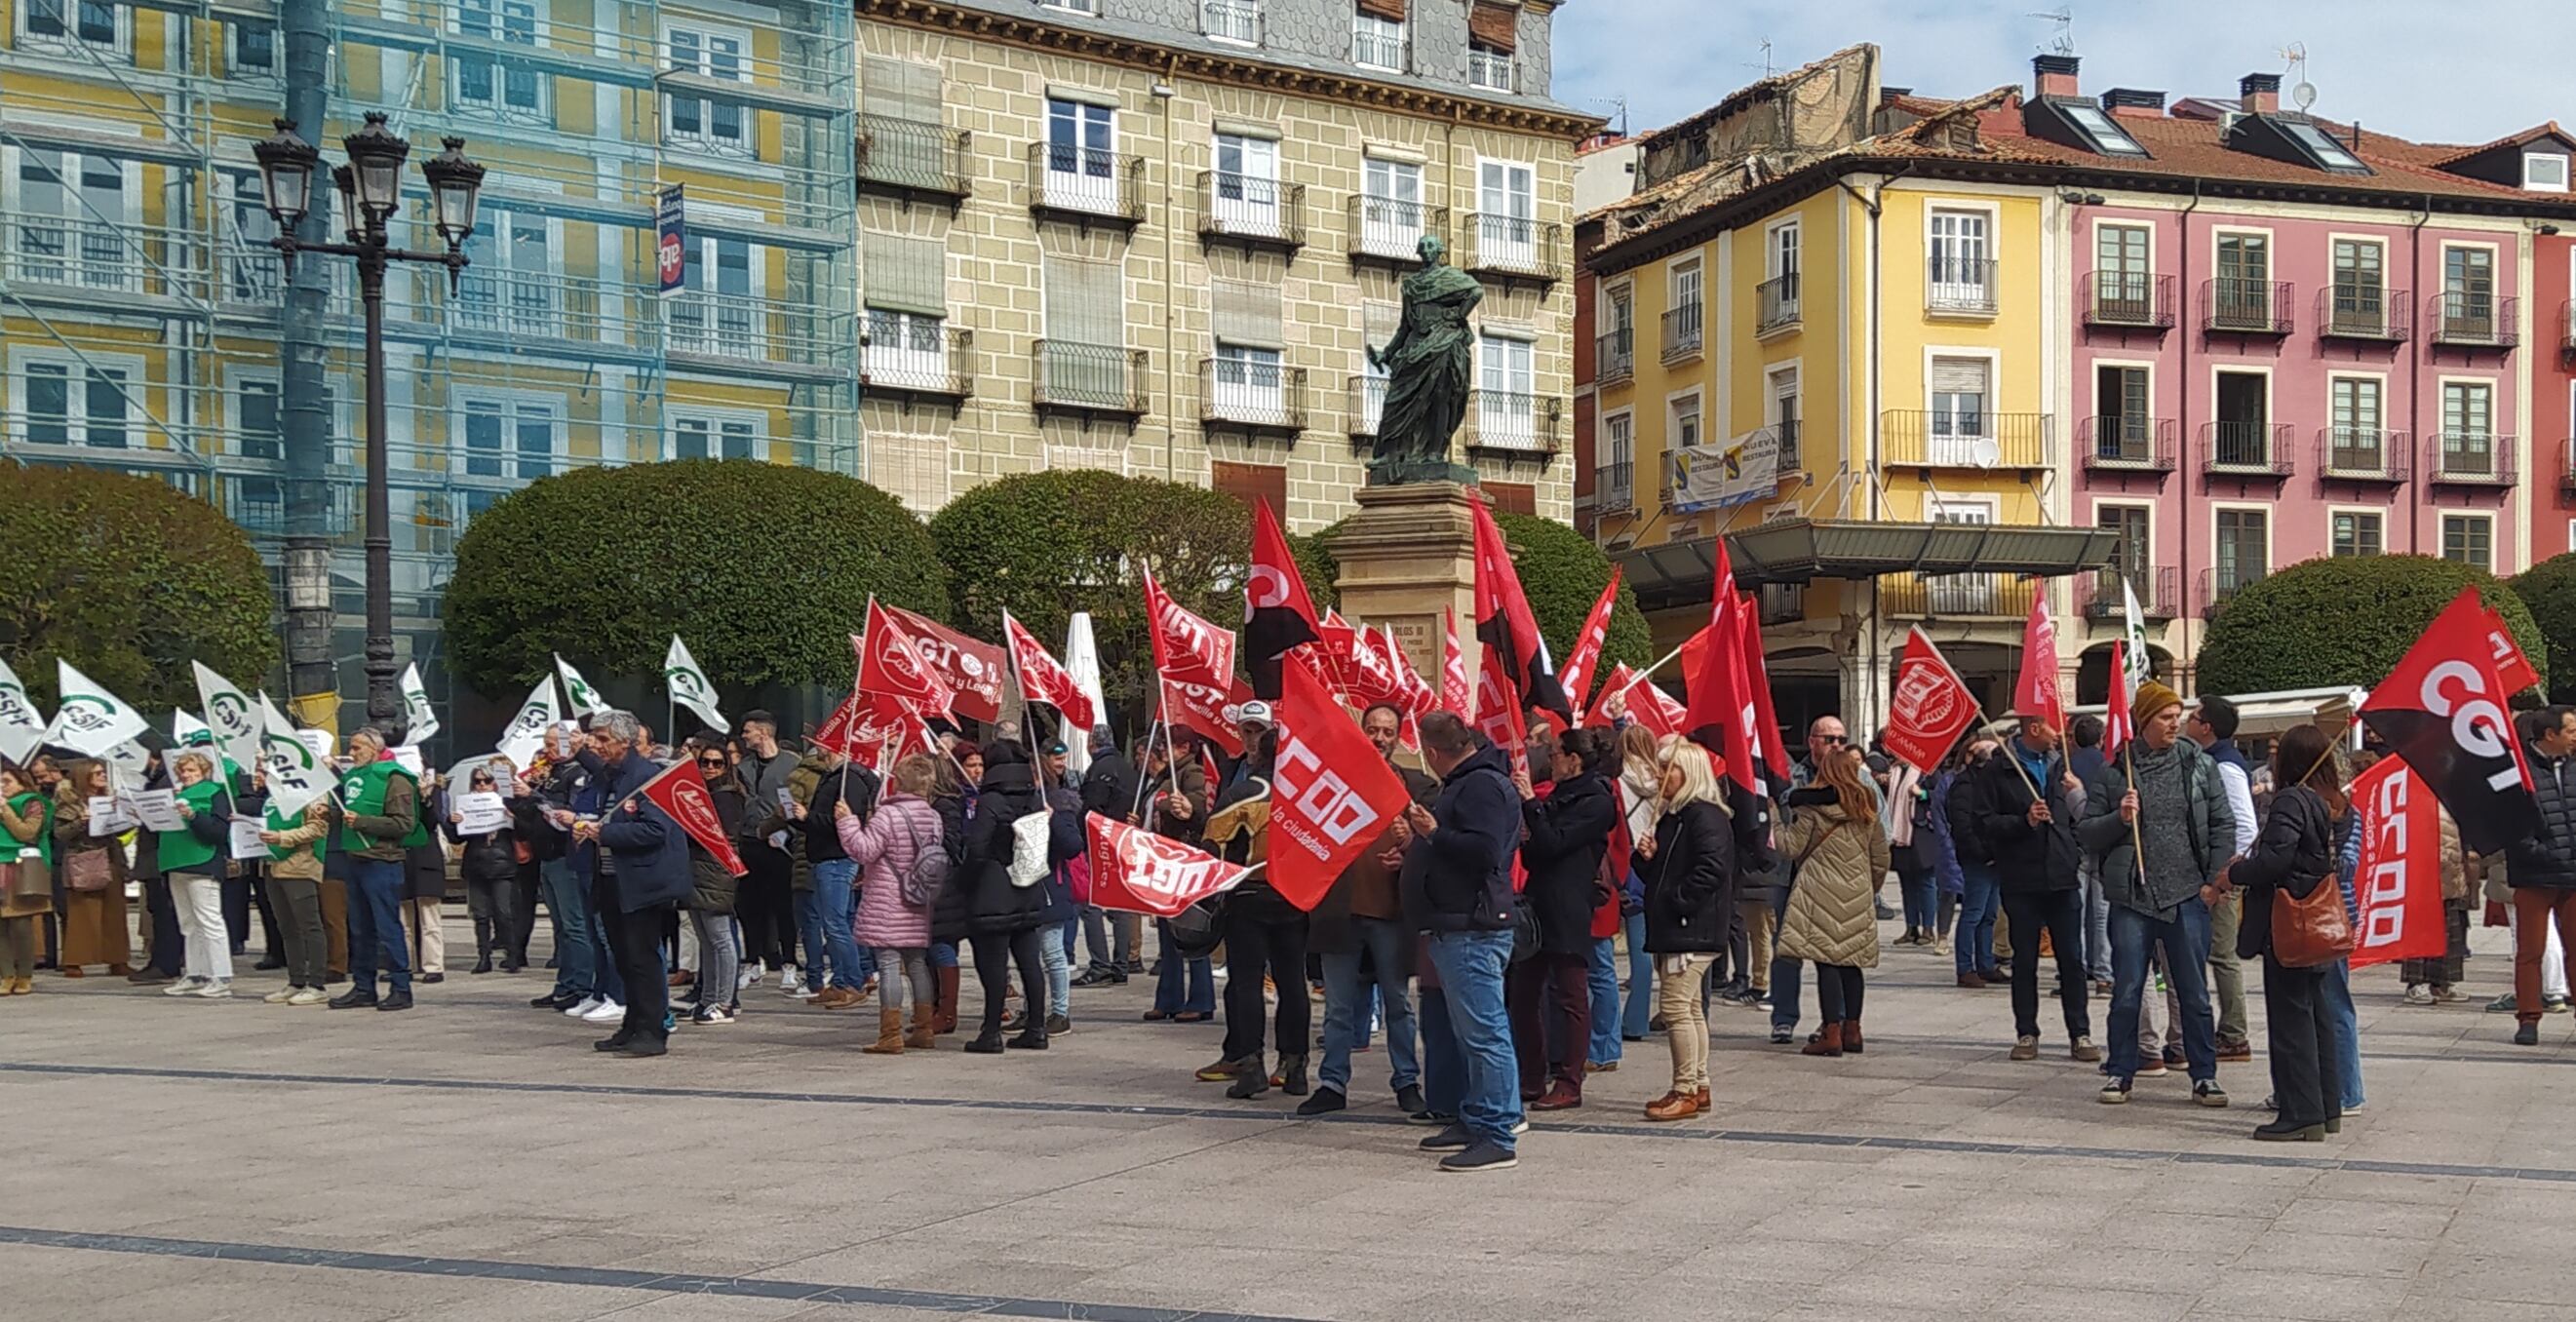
(473, 1158)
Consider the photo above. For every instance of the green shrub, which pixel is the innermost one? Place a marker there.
(2549, 590)
(2343, 621)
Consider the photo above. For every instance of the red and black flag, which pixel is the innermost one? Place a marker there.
(1277, 613)
(1507, 628)
(2442, 710)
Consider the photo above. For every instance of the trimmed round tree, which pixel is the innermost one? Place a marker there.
(764, 569)
(129, 579)
(2344, 621)
(2548, 589)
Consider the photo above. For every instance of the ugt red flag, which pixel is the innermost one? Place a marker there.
(2512, 667)
(1277, 613)
(1186, 645)
(1373, 675)
(872, 730)
(1498, 710)
(970, 667)
(891, 665)
(1336, 640)
(2399, 882)
(1134, 870)
(1457, 692)
(1931, 706)
(681, 792)
(2442, 709)
(1207, 710)
(1586, 656)
(2035, 693)
(1044, 679)
(1506, 626)
(1331, 795)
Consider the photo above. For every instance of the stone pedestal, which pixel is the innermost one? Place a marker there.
(1408, 556)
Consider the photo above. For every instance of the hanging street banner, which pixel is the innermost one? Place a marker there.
(671, 238)
(1707, 477)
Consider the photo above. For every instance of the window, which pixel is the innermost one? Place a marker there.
(2468, 437)
(64, 25)
(499, 88)
(74, 403)
(1377, 42)
(906, 348)
(1683, 430)
(1247, 384)
(2321, 149)
(1780, 413)
(1082, 140)
(2123, 275)
(2360, 287)
(1779, 293)
(1072, 6)
(510, 285)
(253, 272)
(1391, 214)
(2356, 532)
(2468, 293)
(1615, 350)
(2354, 442)
(1506, 207)
(1251, 482)
(706, 437)
(1237, 21)
(717, 310)
(1246, 186)
(1961, 278)
(2107, 137)
(711, 123)
(1490, 68)
(2242, 292)
(1959, 429)
(2469, 539)
(1960, 594)
(1506, 410)
(2132, 556)
(254, 48)
(507, 441)
(2123, 430)
(2243, 552)
(72, 210)
(1086, 361)
(1615, 484)
(2242, 435)
(2543, 172)
(1682, 326)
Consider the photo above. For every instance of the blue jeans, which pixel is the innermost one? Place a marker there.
(2097, 923)
(1640, 1011)
(1922, 891)
(578, 957)
(943, 954)
(2347, 1032)
(375, 925)
(1978, 904)
(824, 915)
(1605, 1046)
(1471, 966)
(1185, 986)
(1444, 1066)
(1346, 1004)
(2186, 946)
(1785, 970)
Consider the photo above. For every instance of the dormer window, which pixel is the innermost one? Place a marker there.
(2296, 140)
(2327, 153)
(2080, 122)
(2544, 172)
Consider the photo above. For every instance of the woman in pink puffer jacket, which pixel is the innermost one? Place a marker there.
(903, 826)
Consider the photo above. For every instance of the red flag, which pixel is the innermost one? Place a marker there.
(1505, 625)
(1498, 709)
(1417, 698)
(1757, 673)
(1043, 679)
(890, 663)
(1277, 613)
(1336, 640)
(2442, 709)
(1374, 674)
(1719, 692)
(872, 730)
(1186, 645)
(1134, 870)
(970, 667)
(1931, 705)
(2513, 669)
(1208, 773)
(2035, 693)
(681, 792)
(1331, 795)
(1580, 662)
(833, 734)
(2117, 729)
(1648, 705)
(1206, 710)
(2398, 886)
(1457, 692)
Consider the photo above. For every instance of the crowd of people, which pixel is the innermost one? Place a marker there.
(1481, 937)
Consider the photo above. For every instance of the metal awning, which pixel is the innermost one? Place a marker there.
(1797, 550)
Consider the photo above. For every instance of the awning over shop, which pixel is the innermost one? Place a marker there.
(1797, 550)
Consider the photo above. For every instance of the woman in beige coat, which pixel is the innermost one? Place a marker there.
(295, 891)
(94, 926)
(1839, 851)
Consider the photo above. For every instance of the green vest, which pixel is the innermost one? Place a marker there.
(182, 851)
(30, 805)
(280, 825)
(362, 794)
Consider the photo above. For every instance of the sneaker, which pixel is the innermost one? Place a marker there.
(791, 980)
(1427, 1116)
(1882, 912)
(1099, 978)
(709, 1015)
(2553, 1004)
(2026, 1047)
(216, 989)
(2236, 1051)
(187, 986)
(1408, 1099)
(2114, 1093)
(2418, 994)
(280, 997)
(2208, 1093)
(2526, 1035)
(1324, 1102)
(1761, 1000)
(2448, 995)
(1941, 945)
(308, 996)
(751, 975)
(1057, 1025)
(2501, 1005)
(1520, 1126)
(1783, 1034)
(606, 1012)
(581, 1009)
(2084, 1050)
(2102, 989)
(2174, 1058)
(1481, 1157)
(1454, 1138)
(2152, 1067)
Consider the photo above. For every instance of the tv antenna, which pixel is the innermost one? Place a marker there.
(2303, 93)
(2063, 41)
(1618, 104)
(1768, 68)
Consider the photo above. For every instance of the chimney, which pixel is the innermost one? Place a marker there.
(1887, 95)
(2131, 101)
(2053, 75)
(2259, 94)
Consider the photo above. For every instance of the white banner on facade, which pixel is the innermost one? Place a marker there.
(1719, 476)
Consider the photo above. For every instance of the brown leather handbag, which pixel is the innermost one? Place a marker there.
(88, 870)
(2312, 932)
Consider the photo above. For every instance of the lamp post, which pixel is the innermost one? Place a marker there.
(370, 188)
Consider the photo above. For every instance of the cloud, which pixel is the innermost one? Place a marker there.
(2468, 72)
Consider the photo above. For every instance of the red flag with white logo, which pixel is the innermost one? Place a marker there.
(1277, 612)
(872, 730)
(1133, 870)
(2442, 709)
(1580, 662)
(1044, 679)
(681, 791)
(970, 667)
(1648, 705)
(2035, 693)
(1331, 795)
(1374, 674)
(2117, 728)
(1186, 645)
(2513, 669)
(1336, 641)
(1206, 710)
(1931, 705)
(1498, 709)
(891, 665)
(2398, 885)
(1457, 692)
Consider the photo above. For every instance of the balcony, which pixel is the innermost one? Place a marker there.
(2117, 443)
(1386, 53)
(1261, 398)
(1614, 488)
(2361, 454)
(1086, 185)
(2100, 594)
(2245, 449)
(2365, 314)
(2473, 321)
(1492, 71)
(1614, 356)
(1920, 438)
(1366, 404)
(1514, 248)
(1949, 596)
(908, 159)
(2469, 459)
(1089, 380)
(2236, 306)
(918, 361)
(1791, 459)
(2567, 467)
(1958, 287)
(1682, 334)
(1251, 210)
(1775, 304)
(1512, 425)
(2126, 300)
(2567, 331)
(2219, 587)
(1234, 21)
(1386, 229)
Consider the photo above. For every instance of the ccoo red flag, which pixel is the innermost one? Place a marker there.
(1331, 795)
(1044, 679)
(891, 665)
(1457, 693)
(2035, 693)
(1931, 705)
(1586, 656)
(1134, 870)
(681, 793)
(2398, 886)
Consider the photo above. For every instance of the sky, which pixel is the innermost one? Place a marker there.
(2479, 71)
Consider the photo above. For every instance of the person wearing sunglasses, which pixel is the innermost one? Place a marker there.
(491, 868)
(711, 899)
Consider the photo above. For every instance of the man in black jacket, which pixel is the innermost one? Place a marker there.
(1109, 789)
(2036, 860)
(2542, 868)
(643, 876)
(1457, 886)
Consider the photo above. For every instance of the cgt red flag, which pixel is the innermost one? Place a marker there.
(2442, 709)
(1457, 692)
(1931, 706)
(891, 665)
(1586, 656)
(2035, 693)
(681, 792)
(2398, 885)
(970, 667)
(2513, 669)
(1506, 625)
(1134, 870)
(1331, 795)
(1277, 612)
(1044, 679)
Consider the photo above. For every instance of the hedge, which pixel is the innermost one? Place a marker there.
(2343, 621)
(2549, 590)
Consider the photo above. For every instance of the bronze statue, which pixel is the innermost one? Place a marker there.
(1430, 365)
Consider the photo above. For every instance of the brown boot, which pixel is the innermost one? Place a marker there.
(1672, 1106)
(925, 1031)
(948, 1000)
(889, 1033)
(1828, 1041)
(1851, 1036)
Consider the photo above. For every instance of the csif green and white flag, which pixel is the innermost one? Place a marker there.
(229, 717)
(186, 729)
(297, 775)
(419, 722)
(577, 691)
(525, 735)
(91, 719)
(689, 686)
(2141, 667)
(22, 731)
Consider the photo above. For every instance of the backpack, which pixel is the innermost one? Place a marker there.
(928, 874)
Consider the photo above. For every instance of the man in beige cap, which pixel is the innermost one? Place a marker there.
(2156, 818)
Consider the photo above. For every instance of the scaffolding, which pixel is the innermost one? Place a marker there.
(140, 302)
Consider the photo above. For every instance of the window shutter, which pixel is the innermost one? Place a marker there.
(1959, 376)
(1391, 10)
(905, 274)
(1513, 497)
(1246, 313)
(1251, 482)
(901, 89)
(1495, 25)
(1084, 303)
